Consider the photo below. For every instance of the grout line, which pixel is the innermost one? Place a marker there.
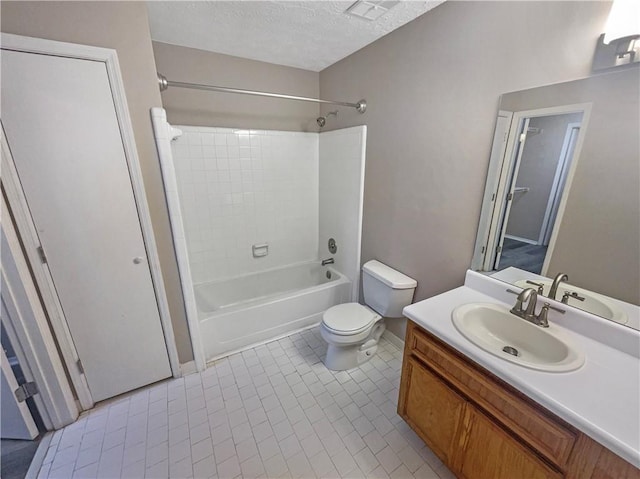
(278, 375)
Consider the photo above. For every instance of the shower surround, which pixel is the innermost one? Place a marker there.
(239, 188)
(231, 189)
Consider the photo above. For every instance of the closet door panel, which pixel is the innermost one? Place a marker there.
(59, 118)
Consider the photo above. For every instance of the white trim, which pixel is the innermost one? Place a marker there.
(163, 138)
(17, 420)
(26, 230)
(355, 285)
(30, 335)
(497, 210)
(560, 175)
(521, 239)
(38, 458)
(188, 368)
(501, 133)
(110, 58)
(510, 185)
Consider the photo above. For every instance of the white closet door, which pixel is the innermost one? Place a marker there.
(60, 122)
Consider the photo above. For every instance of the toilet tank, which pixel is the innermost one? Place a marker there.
(386, 290)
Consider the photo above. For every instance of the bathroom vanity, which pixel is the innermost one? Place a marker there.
(486, 417)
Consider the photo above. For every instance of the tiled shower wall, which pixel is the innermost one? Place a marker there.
(238, 188)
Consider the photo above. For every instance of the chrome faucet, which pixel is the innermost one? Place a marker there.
(556, 282)
(540, 287)
(327, 261)
(570, 294)
(541, 320)
(530, 296)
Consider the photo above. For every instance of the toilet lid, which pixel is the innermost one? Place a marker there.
(348, 318)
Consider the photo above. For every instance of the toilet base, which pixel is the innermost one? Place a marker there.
(341, 357)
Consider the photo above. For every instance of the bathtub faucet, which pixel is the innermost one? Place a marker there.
(327, 261)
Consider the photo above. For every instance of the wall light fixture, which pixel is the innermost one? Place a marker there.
(619, 45)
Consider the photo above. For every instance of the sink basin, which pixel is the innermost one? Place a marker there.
(593, 303)
(493, 328)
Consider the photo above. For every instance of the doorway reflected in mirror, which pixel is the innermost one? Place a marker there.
(541, 160)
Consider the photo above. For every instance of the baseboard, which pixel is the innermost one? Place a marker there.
(393, 339)
(188, 368)
(522, 240)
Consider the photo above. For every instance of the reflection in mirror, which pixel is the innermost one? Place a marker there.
(563, 191)
(575, 296)
(538, 167)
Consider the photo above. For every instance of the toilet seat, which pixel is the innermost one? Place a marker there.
(348, 319)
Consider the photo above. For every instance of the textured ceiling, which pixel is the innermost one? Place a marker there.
(305, 34)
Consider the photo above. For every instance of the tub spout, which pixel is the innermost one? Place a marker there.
(327, 261)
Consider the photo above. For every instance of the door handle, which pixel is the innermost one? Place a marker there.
(137, 260)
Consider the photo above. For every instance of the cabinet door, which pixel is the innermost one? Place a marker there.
(490, 452)
(433, 409)
(590, 460)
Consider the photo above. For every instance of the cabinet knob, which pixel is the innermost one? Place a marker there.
(137, 260)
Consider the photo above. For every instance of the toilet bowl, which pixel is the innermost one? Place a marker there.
(352, 330)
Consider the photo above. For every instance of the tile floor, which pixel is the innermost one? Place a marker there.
(268, 412)
(15, 457)
(529, 257)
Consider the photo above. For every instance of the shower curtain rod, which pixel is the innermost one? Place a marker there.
(361, 106)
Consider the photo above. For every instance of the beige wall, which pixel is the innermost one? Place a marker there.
(201, 108)
(432, 87)
(124, 27)
(599, 238)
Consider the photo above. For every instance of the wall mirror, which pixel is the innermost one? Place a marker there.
(563, 193)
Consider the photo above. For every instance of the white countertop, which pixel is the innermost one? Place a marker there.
(601, 399)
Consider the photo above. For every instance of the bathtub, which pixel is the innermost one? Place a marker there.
(242, 312)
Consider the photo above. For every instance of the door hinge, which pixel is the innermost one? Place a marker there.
(26, 391)
(80, 367)
(523, 136)
(499, 249)
(509, 196)
(482, 250)
(493, 196)
(43, 257)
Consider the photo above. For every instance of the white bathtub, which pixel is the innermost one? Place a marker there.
(248, 310)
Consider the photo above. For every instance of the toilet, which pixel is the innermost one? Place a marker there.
(353, 330)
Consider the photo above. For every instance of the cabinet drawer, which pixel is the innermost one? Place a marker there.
(544, 433)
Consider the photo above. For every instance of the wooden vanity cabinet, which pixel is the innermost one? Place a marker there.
(490, 452)
(482, 428)
(433, 407)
